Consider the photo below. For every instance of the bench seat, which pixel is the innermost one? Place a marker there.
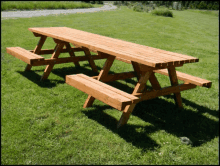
(24, 55)
(188, 78)
(101, 91)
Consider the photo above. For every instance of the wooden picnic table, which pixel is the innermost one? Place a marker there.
(146, 61)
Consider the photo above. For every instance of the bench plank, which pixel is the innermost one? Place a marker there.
(187, 78)
(24, 55)
(109, 87)
(99, 90)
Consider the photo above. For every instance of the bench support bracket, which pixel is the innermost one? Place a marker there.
(103, 73)
(140, 86)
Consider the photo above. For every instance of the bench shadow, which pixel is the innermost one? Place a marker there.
(164, 116)
(35, 78)
(127, 132)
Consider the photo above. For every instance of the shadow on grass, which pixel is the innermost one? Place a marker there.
(163, 116)
(127, 132)
(35, 78)
(62, 72)
(181, 123)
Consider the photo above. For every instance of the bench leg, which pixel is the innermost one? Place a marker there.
(174, 81)
(125, 115)
(37, 50)
(138, 89)
(49, 67)
(103, 73)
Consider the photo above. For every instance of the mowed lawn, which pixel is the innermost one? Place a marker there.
(45, 123)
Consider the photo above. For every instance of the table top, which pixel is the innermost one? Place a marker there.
(126, 50)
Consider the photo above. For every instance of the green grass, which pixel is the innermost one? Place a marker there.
(34, 5)
(45, 123)
(209, 12)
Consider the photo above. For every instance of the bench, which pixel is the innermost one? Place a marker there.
(101, 91)
(180, 76)
(187, 78)
(24, 55)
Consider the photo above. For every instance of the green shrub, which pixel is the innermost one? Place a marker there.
(138, 7)
(92, 2)
(209, 6)
(99, 2)
(202, 5)
(162, 12)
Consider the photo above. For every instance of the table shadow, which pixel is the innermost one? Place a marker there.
(163, 116)
(61, 72)
(128, 132)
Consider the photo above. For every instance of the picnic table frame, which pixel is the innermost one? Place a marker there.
(55, 55)
(146, 61)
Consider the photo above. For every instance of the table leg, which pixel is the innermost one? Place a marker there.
(91, 61)
(37, 50)
(103, 73)
(137, 69)
(49, 67)
(68, 47)
(174, 81)
(154, 82)
(138, 89)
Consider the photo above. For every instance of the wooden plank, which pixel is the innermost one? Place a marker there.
(69, 30)
(154, 82)
(106, 49)
(29, 54)
(65, 60)
(188, 78)
(162, 53)
(138, 89)
(50, 51)
(144, 67)
(117, 76)
(40, 44)
(23, 54)
(137, 70)
(68, 47)
(37, 34)
(37, 48)
(129, 44)
(164, 91)
(174, 82)
(104, 72)
(99, 92)
(120, 92)
(90, 60)
(117, 46)
(50, 66)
